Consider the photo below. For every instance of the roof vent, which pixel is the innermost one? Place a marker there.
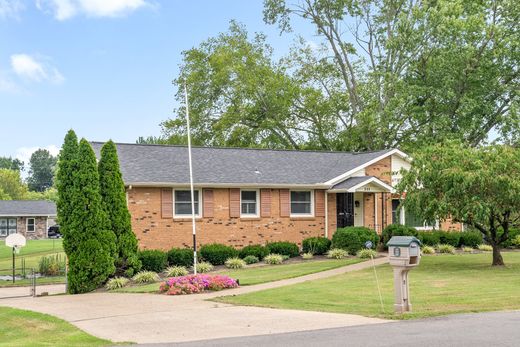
(257, 171)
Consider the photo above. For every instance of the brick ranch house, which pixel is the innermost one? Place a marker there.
(254, 196)
(31, 218)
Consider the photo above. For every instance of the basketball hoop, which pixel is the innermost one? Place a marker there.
(17, 249)
(16, 242)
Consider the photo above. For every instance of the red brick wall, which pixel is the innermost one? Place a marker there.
(155, 232)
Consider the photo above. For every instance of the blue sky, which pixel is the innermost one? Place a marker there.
(102, 67)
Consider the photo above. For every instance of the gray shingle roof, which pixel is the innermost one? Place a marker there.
(351, 182)
(27, 208)
(169, 164)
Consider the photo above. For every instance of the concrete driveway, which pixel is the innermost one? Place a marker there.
(151, 318)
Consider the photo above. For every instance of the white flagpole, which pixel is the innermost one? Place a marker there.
(193, 227)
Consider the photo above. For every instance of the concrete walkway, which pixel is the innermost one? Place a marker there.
(149, 318)
(51, 289)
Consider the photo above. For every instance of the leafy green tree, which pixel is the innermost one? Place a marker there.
(414, 73)
(476, 186)
(113, 197)
(41, 172)
(67, 168)
(11, 163)
(11, 185)
(90, 242)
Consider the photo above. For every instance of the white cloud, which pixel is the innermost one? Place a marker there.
(10, 8)
(35, 69)
(65, 9)
(24, 153)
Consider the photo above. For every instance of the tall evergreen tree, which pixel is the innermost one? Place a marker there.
(67, 167)
(91, 243)
(114, 203)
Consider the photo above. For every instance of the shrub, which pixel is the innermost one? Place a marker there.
(470, 238)
(366, 253)
(51, 265)
(146, 277)
(513, 233)
(175, 271)
(258, 251)
(284, 248)
(196, 284)
(251, 259)
(116, 282)
(427, 250)
(396, 230)
(217, 254)
(153, 260)
(449, 238)
(485, 248)
(316, 245)
(337, 253)
(446, 249)
(203, 267)
(352, 239)
(235, 263)
(180, 257)
(516, 241)
(467, 249)
(429, 238)
(307, 256)
(273, 259)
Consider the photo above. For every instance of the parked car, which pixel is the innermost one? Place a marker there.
(54, 232)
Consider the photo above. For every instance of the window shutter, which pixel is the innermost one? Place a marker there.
(285, 205)
(265, 203)
(319, 203)
(166, 203)
(208, 203)
(234, 202)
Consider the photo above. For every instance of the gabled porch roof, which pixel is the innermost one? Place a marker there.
(366, 184)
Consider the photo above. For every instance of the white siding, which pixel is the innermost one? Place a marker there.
(358, 173)
(398, 163)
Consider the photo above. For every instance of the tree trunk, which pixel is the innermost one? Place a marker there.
(497, 257)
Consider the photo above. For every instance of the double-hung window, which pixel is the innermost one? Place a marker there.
(249, 203)
(7, 226)
(30, 225)
(301, 203)
(182, 203)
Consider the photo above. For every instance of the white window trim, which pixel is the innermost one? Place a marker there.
(27, 224)
(182, 216)
(257, 212)
(303, 215)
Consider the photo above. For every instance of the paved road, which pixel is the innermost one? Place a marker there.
(494, 329)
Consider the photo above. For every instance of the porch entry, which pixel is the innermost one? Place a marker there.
(345, 209)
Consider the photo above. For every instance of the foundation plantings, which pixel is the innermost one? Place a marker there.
(199, 283)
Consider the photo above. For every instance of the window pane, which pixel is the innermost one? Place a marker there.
(301, 197)
(3, 227)
(412, 220)
(183, 202)
(248, 195)
(298, 207)
(248, 208)
(395, 211)
(30, 224)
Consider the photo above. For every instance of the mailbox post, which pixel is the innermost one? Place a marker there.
(404, 254)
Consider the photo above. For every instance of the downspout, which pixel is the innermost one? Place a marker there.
(326, 214)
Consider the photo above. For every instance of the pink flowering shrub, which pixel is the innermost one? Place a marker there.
(192, 284)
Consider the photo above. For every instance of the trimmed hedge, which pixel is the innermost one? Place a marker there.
(352, 239)
(217, 254)
(512, 234)
(258, 251)
(450, 237)
(180, 257)
(470, 239)
(429, 238)
(316, 245)
(396, 230)
(153, 260)
(284, 248)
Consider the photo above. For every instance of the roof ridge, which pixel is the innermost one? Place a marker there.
(246, 148)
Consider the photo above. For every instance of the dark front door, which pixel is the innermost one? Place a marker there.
(345, 209)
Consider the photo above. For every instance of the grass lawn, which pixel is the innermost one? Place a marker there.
(262, 274)
(32, 252)
(442, 284)
(27, 328)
